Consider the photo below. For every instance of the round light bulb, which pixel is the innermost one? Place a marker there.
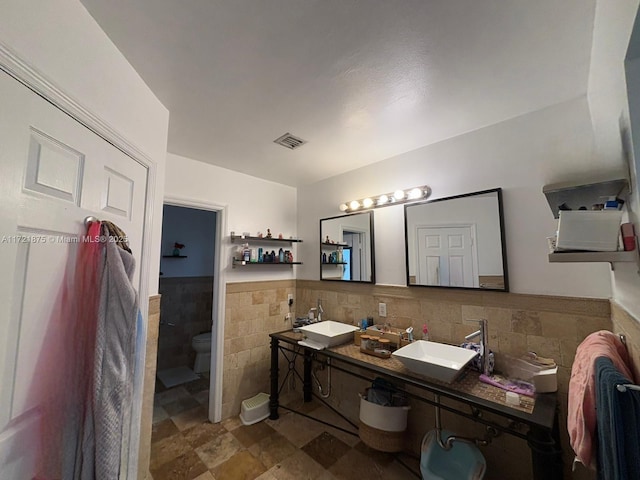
(354, 205)
(415, 193)
(398, 194)
(367, 202)
(343, 207)
(383, 199)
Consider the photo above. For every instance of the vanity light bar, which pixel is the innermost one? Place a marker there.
(393, 198)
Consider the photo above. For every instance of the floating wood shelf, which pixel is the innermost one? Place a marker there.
(264, 239)
(174, 256)
(243, 263)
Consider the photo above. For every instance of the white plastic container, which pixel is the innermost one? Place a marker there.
(595, 231)
(254, 409)
(546, 381)
(388, 419)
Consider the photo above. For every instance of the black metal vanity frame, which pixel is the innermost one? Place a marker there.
(542, 436)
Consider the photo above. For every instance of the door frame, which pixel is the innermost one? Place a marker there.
(218, 310)
(20, 69)
(363, 247)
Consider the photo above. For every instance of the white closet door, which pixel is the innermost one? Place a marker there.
(445, 256)
(53, 172)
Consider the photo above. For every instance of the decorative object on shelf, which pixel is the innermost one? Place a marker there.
(265, 239)
(176, 249)
(571, 196)
(245, 255)
(395, 198)
(628, 236)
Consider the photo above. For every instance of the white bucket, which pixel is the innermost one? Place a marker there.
(389, 419)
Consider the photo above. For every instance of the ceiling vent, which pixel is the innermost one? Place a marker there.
(289, 141)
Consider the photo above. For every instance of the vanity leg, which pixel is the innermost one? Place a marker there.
(273, 398)
(307, 384)
(546, 454)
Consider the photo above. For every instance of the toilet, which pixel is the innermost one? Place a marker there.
(202, 345)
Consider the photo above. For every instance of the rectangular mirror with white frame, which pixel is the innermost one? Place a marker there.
(347, 248)
(457, 242)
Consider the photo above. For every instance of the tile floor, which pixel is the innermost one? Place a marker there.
(186, 446)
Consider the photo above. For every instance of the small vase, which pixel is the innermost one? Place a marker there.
(176, 252)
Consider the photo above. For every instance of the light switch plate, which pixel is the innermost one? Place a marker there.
(382, 309)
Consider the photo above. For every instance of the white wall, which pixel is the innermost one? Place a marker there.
(520, 155)
(196, 230)
(610, 112)
(252, 205)
(59, 39)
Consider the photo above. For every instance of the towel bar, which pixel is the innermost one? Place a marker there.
(628, 386)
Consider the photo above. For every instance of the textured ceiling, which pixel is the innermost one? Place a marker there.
(361, 81)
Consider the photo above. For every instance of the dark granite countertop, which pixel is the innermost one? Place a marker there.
(537, 412)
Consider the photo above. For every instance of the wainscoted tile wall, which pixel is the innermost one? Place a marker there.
(253, 311)
(624, 322)
(550, 326)
(151, 355)
(186, 312)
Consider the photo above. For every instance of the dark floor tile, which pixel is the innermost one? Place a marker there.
(163, 429)
(185, 467)
(159, 386)
(197, 385)
(168, 449)
(250, 434)
(203, 433)
(242, 466)
(180, 406)
(272, 449)
(191, 418)
(326, 449)
(380, 458)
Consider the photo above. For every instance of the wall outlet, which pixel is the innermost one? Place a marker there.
(290, 299)
(382, 309)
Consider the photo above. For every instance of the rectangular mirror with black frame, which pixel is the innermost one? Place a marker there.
(347, 248)
(457, 242)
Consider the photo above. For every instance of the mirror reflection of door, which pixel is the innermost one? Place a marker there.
(457, 242)
(356, 264)
(446, 256)
(348, 238)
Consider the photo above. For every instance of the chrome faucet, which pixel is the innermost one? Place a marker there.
(484, 344)
(320, 310)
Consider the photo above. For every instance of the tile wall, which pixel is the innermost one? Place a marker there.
(624, 322)
(186, 303)
(148, 387)
(253, 310)
(550, 326)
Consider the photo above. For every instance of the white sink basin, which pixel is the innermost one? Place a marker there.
(329, 333)
(435, 360)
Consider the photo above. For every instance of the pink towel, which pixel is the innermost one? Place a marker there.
(581, 416)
